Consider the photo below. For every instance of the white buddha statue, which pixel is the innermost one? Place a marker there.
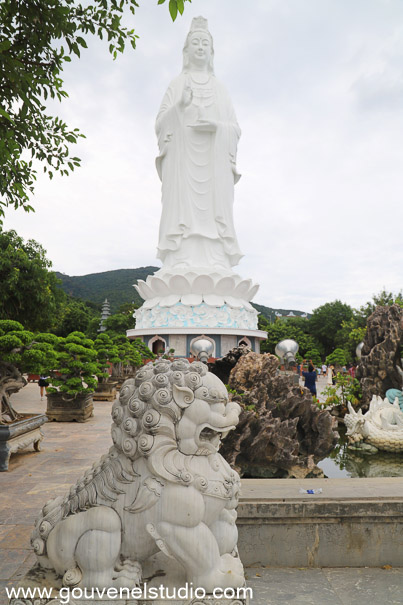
(197, 135)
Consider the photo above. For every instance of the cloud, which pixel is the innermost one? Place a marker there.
(317, 87)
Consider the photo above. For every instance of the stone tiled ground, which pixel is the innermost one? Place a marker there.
(34, 477)
(69, 448)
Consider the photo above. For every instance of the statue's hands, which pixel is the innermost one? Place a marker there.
(187, 96)
(204, 126)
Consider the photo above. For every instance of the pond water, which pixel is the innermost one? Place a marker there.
(346, 463)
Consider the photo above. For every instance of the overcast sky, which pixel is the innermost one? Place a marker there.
(317, 86)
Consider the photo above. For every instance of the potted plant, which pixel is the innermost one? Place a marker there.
(107, 354)
(70, 396)
(131, 354)
(20, 352)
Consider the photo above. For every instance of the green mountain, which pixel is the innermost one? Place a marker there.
(270, 313)
(117, 287)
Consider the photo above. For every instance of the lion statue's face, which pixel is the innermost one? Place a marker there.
(172, 404)
(207, 419)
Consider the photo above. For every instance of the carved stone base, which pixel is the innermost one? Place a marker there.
(62, 408)
(201, 315)
(19, 435)
(202, 297)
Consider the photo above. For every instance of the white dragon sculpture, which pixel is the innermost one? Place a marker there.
(381, 426)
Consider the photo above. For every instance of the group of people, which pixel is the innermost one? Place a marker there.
(312, 374)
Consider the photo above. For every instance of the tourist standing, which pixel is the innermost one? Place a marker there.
(42, 383)
(310, 378)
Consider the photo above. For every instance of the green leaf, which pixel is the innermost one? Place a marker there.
(181, 7)
(82, 42)
(173, 9)
(41, 36)
(5, 45)
(6, 115)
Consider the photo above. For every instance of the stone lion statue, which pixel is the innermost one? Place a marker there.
(163, 486)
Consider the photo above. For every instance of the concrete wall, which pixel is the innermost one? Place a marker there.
(228, 342)
(178, 342)
(338, 531)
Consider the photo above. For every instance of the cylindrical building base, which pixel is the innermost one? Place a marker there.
(180, 340)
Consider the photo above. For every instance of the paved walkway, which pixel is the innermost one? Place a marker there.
(69, 448)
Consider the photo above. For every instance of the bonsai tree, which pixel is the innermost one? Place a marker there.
(20, 352)
(337, 358)
(145, 352)
(314, 355)
(131, 353)
(107, 352)
(77, 366)
(169, 354)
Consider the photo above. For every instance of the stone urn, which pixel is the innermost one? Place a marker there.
(67, 408)
(106, 391)
(20, 434)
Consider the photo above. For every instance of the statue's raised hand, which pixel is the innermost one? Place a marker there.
(187, 95)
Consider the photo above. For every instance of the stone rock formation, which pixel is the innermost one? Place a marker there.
(281, 433)
(380, 367)
(222, 367)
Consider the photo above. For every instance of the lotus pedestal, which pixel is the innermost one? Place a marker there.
(180, 308)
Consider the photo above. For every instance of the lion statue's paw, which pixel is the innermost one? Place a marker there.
(127, 574)
(230, 573)
(231, 565)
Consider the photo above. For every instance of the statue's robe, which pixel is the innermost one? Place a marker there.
(198, 173)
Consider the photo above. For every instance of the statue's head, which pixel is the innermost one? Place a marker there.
(354, 421)
(172, 404)
(198, 50)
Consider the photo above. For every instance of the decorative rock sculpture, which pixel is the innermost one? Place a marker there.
(222, 367)
(380, 367)
(381, 426)
(162, 486)
(281, 433)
